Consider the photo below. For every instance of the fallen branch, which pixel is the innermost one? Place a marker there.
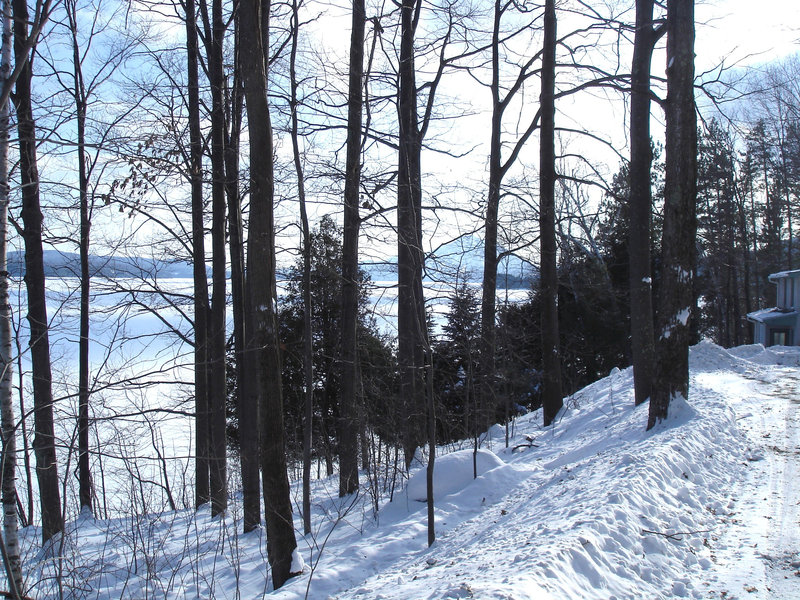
(677, 535)
(515, 448)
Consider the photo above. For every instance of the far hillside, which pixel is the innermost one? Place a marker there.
(68, 264)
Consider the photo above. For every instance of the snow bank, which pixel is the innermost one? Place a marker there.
(451, 473)
(601, 508)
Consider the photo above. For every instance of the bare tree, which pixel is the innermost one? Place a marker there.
(551, 355)
(415, 109)
(308, 344)
(11, 553)
(348, 426)
(81, 101)
(411, 327)
(498, 170)
(201, 308)
(262, 295)
(640, 203)
(247, 406)
(32, 219)
(676, 297)
(214, 27)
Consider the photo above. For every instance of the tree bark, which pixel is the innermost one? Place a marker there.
(411, 324)
(680, 223)
(217, 320)
(261, 289)
(79, 94)
(201, 308)
(551, 356)
(347, 428)
(32, 219)
(640, 206)
(7, 419)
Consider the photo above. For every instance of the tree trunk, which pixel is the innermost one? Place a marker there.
(7, 419)
(551, 358)
(308, 338)
(202, 445)
(79, 94)
(640, 206)
(486, 395)
(347, 428)
(431, 435)
(44, 441)
(247, 407)
(217, 321)
(680, 222)
(261, 289)
(741, 214)
(411, 324)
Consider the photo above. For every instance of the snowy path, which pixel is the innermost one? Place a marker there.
(762, 541)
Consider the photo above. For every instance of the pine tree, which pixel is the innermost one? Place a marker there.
(375, 367)
(457, 364)
(718, 233)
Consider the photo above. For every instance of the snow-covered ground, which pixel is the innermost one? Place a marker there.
(705, 506)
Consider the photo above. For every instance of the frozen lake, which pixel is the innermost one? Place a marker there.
(142, 372)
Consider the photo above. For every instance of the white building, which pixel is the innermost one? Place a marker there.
(780, 326)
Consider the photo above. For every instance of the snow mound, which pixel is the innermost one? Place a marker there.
(600, 508)
(774, 355)
(707, 357)
(680, 413)
(451, 473)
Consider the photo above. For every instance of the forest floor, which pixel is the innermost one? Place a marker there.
(595, 507)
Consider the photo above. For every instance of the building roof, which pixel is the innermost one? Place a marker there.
(795, 273)
(774, 316)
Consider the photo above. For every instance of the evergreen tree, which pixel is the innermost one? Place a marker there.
(766, 205)
(719, 268)
(457, 363)
(375, 366)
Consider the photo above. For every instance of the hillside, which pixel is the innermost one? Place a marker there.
(461, 259)
(705, 506)
(67, 264)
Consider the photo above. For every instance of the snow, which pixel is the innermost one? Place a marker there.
(298, 564)
(681, 318)
(703, 506)
(451, 472)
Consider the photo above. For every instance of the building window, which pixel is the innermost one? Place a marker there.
(780, 337)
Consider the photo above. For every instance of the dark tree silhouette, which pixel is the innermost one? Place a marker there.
(676, 296)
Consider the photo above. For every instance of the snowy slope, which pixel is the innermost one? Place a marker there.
(705, 506)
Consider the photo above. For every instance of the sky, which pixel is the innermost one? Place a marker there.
(745, 30)
(729, 29)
